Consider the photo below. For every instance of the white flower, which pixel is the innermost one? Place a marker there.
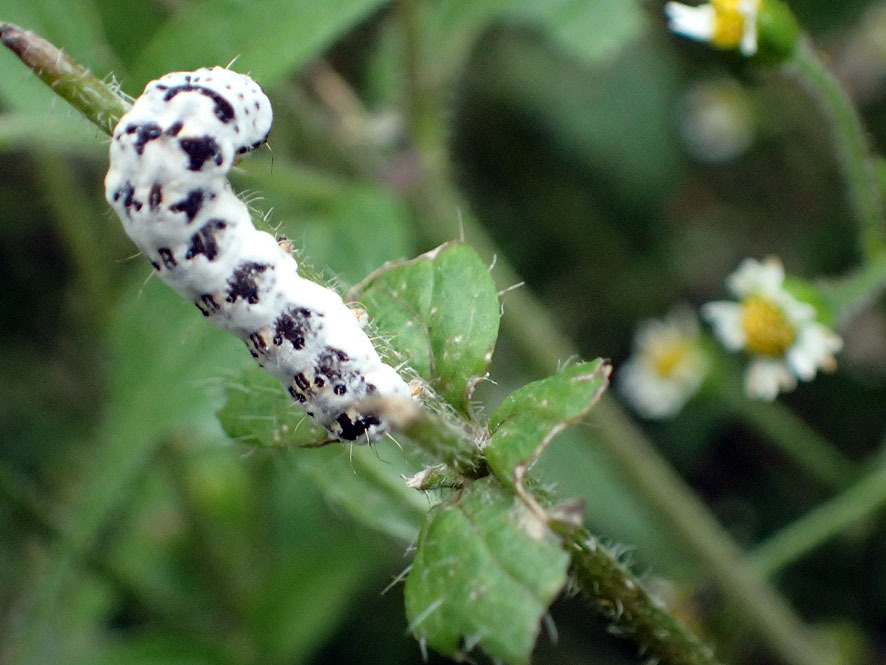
(716, 120)
(666, 368)
(726, 24)
(770, 324)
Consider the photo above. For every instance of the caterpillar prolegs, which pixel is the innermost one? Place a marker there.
(169, 159)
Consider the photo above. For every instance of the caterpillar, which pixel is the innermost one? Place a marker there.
(167, 181)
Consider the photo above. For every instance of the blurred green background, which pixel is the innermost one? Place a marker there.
(618, 168)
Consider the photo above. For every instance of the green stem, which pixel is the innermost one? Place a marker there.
(100, 104)
(526, 322)
(69, 80)
(848, 294)
(791, 435)
(445, 438)
(864, 174)
(861, 501)
(850, 138)
(689, 521)
(621, 598)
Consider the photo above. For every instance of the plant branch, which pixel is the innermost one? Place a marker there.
(104, 107)
(527, 322)
(74, 83)
(861, 501)
(649, 475)
(847, 295)
(850, 138)
(686, 517)
(623, 600)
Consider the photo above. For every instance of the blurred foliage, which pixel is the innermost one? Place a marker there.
(134, 531)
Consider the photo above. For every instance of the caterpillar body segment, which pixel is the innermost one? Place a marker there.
(167, 181)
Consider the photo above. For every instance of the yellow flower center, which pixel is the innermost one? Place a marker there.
(729, 23)
(666, 355)
(768, 331)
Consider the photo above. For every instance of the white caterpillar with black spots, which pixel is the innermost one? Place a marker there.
(169, 160)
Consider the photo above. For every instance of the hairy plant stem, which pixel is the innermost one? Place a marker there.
(446, 439)
(649, 475)
(619, 596)
(526, 321)
(847, 295)
(72, 82)
(860, 502)
(453, 444)
(849, 136)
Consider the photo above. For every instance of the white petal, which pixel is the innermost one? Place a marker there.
(803, 364)
(797, 312)
(651, 396)
(753, 276)
(725, 316)
(648, 332)
(749, 9)
(764, 379)
(693, 22)
(814, 348)
(748, 44)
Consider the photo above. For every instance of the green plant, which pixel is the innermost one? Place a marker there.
(497, 547)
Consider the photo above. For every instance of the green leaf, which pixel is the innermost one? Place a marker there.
(360, 229)
(485, 572)
(588, 30)
(443, 312)
(272, 38)
(364, 480)
(526, 422)
(161, 355)
(50, 130)
(130, 25)
(307, 595)
(258, 412)
(368, 482)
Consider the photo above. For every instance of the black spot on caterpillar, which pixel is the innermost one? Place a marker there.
(199, 150)
(190, 205)
(155, 197)
(222, 110)
(205, 241)
(144, 134)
